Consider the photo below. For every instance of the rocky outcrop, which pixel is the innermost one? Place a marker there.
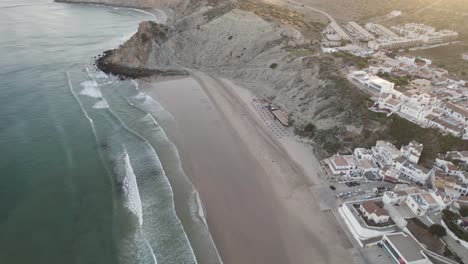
(272, 58)
(136, 57)
(236, 44)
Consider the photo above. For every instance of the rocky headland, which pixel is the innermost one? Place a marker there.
(265, 48)
(273, 51)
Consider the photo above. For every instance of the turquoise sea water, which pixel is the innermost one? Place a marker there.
(87, 173)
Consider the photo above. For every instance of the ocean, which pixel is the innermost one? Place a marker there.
(88, 174)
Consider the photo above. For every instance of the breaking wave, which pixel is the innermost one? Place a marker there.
(91, 89)
(101, 104)
(130, 188)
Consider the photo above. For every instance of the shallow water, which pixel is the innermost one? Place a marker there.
(87, 173)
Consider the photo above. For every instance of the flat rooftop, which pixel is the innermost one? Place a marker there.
(407, 246)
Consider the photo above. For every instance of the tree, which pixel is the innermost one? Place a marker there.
(463, 211)
(310, 127)
(437, 230)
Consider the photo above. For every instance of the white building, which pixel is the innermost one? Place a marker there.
(412, 151)
(415, 111)
(394, 197)
(458, 155)
(417, 204)
(334, 32)
(388, 102)
(403, 248)
(373, 212)
(380, 68)
(446, 125)
(439, 37)
(406, 60)
(379, 85)
(451, 185)
(372, 82)
(342, 165)
(362, 153)
(396, 43)
(362, 33)
(411, 171)
(367, 165)
(455, 112)
(389, 173)
(381, 30)
(384, 153)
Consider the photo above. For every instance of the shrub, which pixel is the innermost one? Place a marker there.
(306, 131)
(450, 216)
(463, 211)
(437, 230)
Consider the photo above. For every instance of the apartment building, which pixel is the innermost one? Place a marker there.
(384, 153)
(412, 151)
(411, 172)
(361, 32)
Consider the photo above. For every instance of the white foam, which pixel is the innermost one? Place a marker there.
(101, 104)
(153, 107)
(137, 87)
(133, 202)
(147, 13)
(101, 75)
(91, 89)
(140, 96)
(150, 121)
(201, 212)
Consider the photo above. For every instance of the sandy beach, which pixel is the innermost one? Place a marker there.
(257, 190)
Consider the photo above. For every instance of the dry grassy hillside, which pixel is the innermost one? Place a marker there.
(360, 10)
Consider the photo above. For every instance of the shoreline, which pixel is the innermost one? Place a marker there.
(255, 193)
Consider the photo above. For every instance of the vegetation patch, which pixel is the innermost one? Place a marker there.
(285, 16)
(300, 52)
(450, 218)
(352, 60)
(423, 234)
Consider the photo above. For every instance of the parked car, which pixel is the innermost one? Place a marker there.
(332, 187)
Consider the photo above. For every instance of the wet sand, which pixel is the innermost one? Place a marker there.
(256, 193)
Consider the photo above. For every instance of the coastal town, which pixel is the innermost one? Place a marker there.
(393, 207)
(388, 202)
(407, 202)
(408, 86)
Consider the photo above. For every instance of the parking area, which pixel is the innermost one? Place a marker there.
(349, 192)
(356, 190)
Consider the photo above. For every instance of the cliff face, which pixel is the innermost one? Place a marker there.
(264, 56)
(233, 43)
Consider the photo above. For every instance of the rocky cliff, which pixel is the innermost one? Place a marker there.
(267, 55)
